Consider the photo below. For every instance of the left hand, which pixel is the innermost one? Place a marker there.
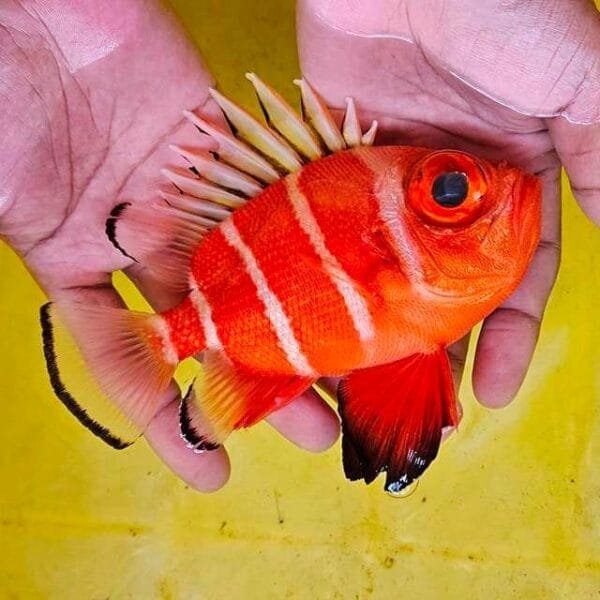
(92, 97)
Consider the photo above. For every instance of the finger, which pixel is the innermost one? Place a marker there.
(329, 385)
(308, 422)
(457, 353)
(206, 471)
(509, 335)
(578, 147)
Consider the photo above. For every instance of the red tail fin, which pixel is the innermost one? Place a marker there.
(393, 416)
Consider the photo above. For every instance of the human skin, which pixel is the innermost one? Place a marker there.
(92, 101)
(507, 80)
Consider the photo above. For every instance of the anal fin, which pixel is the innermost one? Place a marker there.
(393, 416)
(228, 397)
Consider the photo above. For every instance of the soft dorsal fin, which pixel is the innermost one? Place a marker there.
(163, 234)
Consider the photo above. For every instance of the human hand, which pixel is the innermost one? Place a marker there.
(515, 81)
(93, 96)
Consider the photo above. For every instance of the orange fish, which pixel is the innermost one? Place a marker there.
(303, 251)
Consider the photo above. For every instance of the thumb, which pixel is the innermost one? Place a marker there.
(578, 147)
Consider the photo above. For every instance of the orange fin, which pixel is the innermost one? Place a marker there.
(108, 366)
(162, 235)
(229, 398)
(393, 416)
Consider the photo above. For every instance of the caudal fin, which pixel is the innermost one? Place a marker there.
(108, 366)
(393, 416)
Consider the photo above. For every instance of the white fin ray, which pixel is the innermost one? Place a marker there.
(256, 134)
(316, 114)
(221, 174)
(368, 138)
(282, 117)
(234, 152)
(205, 208)
(190, 184)
(351, 125)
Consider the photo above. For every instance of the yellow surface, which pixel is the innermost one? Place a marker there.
(510, 510)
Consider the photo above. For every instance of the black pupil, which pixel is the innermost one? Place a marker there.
(450, 189)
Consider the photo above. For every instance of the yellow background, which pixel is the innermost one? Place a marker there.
(511, 509)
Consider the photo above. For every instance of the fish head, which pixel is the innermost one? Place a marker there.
(472, 225)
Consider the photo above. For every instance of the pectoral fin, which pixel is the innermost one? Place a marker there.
(393, 416)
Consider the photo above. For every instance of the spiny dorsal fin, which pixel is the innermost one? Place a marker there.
(288, 137)
(163, 235)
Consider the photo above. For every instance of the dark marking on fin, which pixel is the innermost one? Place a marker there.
(62, 393)
(111, 228)
(200, 129)
(232, 127)
(361, 462)
(303, 111)
(264, 111)
(188, 433)
(353, 466)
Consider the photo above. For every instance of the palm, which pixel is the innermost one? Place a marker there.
(407, 63)
(107, 143)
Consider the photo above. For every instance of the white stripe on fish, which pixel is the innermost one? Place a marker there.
(204, 311)
(355, 303)
(273, 309)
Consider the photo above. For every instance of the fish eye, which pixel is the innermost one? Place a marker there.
(447, 188)
(450, 189)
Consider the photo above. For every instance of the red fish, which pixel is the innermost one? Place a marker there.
(306, 253)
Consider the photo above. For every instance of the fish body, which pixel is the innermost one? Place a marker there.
(362, 263)
(310, 279)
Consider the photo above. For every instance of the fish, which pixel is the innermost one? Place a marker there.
(302, 250)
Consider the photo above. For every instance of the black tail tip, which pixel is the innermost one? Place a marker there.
(368, 464)
(61, 391)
